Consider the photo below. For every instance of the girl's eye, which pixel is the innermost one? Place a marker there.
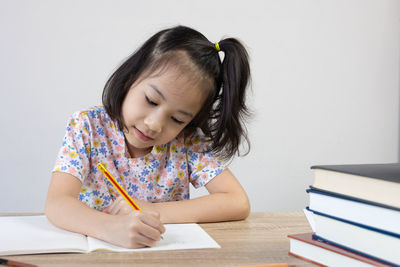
(155, 104)
(177, 121)
(150, 102)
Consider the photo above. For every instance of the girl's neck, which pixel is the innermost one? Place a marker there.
(137, 152)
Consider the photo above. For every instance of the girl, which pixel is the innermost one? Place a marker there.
(173, 114)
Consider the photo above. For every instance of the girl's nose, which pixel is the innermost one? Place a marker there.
(154, 121)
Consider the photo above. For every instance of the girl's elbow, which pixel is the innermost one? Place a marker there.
(49, 210)
(52, 209)
(244, 210)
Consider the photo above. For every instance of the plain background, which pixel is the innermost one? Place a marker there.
(325, 83)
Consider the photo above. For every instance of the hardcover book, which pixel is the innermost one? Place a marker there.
(369, 241)
(321, 253)
(378, 183)
(355, 210)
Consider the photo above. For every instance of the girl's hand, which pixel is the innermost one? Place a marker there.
(121, 206)
(135, 229)
(132, 228)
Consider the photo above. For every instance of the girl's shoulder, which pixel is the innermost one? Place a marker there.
(93, 121)
(95, 114)
(196, 141)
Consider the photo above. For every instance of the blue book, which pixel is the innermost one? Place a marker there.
(355, 210)
(368, 241)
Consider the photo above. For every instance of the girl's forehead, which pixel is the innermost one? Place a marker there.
(178, 80)
(178, 66)
(178, 89)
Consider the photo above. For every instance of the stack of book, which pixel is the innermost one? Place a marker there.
(355, 216)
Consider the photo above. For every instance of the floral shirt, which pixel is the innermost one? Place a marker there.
(161, 175)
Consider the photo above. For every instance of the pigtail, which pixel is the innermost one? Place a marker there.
(231, 110)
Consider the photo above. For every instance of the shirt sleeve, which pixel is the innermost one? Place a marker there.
(74, 154)
(203, 165)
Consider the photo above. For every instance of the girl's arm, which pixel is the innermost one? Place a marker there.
(131, 229)
(227, 201)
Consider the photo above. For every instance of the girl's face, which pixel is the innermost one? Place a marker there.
(156, 109)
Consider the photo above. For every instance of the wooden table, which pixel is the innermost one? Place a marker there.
(260, 239)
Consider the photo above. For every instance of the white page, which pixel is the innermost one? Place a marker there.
(310, 219)
(35, 234)
(176, 236)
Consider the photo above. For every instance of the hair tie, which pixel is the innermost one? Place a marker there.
(217, 47)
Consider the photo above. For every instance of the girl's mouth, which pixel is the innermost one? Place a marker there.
(141, 135)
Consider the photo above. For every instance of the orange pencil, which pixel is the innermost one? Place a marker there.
(16, 263)
(118, 186)
(271, 265)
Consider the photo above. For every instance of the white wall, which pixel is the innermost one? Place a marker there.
(325, 83)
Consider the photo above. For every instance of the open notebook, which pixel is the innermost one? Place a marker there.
(35, 235)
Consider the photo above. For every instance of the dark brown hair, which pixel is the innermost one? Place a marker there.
(223, 114)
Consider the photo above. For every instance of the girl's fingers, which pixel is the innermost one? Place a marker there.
(115, 210)
(114, 207)
(108, 209)
(151, 233)
(152, 219)
(141, 230)
(143, 240)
